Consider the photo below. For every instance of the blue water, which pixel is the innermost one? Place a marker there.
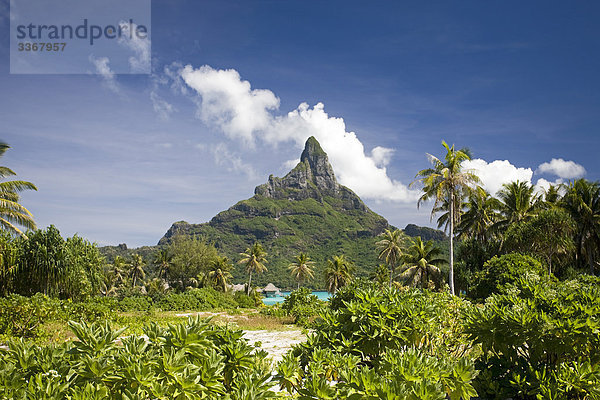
(279, 299)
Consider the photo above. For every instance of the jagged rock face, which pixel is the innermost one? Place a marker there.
(313, 177)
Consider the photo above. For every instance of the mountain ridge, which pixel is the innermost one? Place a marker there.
(306, 210)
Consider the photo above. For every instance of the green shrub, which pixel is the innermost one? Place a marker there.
(243, 300)
(191, 360)
(373, 343)
(196, 300)
(21, 316)
(136, 303)
(500, 271)
(540, 339)
(302, 305)
(90, 310)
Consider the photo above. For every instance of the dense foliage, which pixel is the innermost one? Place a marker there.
(500, 271)
(540, 339)
(192, 360)
(45, 262)
(381, 343)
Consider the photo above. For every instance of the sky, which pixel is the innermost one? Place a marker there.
(236, 87)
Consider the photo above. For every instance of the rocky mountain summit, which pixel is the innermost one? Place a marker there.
(313, 178)
(306, 210)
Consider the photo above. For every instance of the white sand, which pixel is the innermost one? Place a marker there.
(276, 343)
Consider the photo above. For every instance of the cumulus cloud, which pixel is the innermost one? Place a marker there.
(242, 113)
(230, 103)
(542, 185)
(381, 155)
(103, 69)
(496, 173)
(561, 168)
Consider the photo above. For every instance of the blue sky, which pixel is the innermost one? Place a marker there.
(118, 158)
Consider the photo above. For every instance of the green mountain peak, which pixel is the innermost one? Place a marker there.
(307, 210)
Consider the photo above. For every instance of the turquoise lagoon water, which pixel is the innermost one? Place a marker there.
(279, 299)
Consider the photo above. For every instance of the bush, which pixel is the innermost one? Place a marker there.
(21, 316)
(90, 310)
(243, 300)
(192, 360)
(383, 344)
(136, 303)
(540, 339)
(196, 300)
(501, 271)
(302, 305)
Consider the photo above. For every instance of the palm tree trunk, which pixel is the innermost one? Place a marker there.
(298, 285)
(249, 282)
(451, 278)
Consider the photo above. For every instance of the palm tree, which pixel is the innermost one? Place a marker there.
(518, 202)
(301, 269)
(390, 249)
(447, 181)
(162, 259)
(11, 212)
(338, 273)
(482, 213)
(113, 276)
(136, 269)
(380, 275)
(582, 201)
(254, 259)
(220, 273)
(552, 196)
(421, 264)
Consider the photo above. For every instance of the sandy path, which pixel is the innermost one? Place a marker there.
(276, 343)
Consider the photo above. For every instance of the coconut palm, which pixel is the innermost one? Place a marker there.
(390, 249)
(162, 259)
(447, 181)
(422, 263)
(220, 273)
(481, 213)
(301, 268)
(338, 273)
(582, 201)
(552, 196)
(518, 202)
(136, 269)
(254, 259)
(11, 212)
(380, 275)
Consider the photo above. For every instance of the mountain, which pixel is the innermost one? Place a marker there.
(425, 233)
(306, 210)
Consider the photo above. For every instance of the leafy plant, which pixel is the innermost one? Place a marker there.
(190, 360)
(540, 339)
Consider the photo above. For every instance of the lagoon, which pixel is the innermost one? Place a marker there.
(322, 295)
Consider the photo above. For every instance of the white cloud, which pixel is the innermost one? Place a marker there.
(561, 168)
(496, 173)
(229, 102)
(382, 155)
(233, 162)
(289, 164)
(140, 63)
(163, 108)
(103, 69)
(242, 113)
(542, 184)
